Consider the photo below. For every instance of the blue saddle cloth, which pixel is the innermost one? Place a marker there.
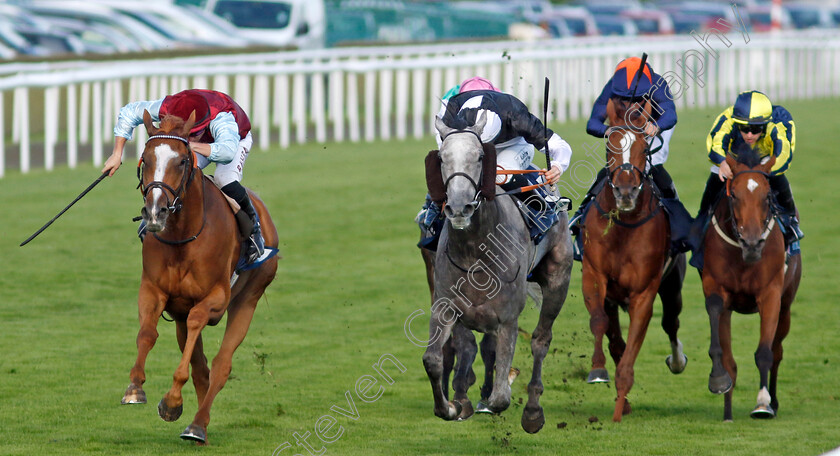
(243, 265)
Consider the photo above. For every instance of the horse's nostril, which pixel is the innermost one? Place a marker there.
(447, 210)
(469, 209)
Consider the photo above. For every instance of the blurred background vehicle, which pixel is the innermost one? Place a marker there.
(295, 23)
(809, 15)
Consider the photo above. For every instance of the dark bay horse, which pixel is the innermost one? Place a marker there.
(481, 268)
(626, 256)
(745, 271)
(188, 265)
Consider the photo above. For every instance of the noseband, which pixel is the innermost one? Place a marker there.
(178, 194)
(629, 167)
(768, 220)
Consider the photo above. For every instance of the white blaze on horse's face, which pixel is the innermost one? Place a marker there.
(626, 143)
(163, 155)
(752, 185)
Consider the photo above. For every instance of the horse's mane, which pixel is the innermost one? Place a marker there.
(462, 119)
(746, 155)
(170, 123)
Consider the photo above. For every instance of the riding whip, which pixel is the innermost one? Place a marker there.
(90, 187)
(638, 76)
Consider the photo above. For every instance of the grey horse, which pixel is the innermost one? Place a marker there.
(481, 270)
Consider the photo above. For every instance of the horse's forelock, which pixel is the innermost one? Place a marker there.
(747, 156)
(170, 123)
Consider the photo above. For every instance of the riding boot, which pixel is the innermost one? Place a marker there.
(679, 217)
(428, 214)
(784, 197)
(574, 222)
(698, 228)
(247, 220)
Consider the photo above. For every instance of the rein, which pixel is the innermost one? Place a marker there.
(178, 194)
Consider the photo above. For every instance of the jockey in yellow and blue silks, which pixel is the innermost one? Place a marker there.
(755, 122)
(627, 84)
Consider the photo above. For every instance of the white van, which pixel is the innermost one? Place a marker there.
(298, 23)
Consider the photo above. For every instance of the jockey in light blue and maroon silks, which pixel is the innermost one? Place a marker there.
(221, 135)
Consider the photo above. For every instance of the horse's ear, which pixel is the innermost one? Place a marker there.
(188, 124)
(611, 114)
(480, 123)
(434, 178)
(767, 163)
(147, 121)
(731, 161)
(441, 127)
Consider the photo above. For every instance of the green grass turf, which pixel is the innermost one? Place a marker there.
(350, 277)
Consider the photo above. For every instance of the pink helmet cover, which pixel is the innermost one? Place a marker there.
(477, 83)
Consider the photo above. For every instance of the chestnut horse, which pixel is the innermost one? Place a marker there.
(188, 266)
(746, 271)
(626, 256)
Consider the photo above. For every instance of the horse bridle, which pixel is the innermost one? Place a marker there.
(768, 221)
(476, 185)
(643, 176)
(178, 194)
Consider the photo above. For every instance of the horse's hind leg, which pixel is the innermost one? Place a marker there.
(670, 292)
(465, 348)
(150, 304)
(616, 340)
(198, 362)
(728, 360)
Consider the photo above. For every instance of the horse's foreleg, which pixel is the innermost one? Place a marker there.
(640, 310)
(728, 360)
(198, 362)
(768, 309)
(505, 345)
(171, 406)
(594, 293)
(778, 352)
(533, 417)
(719, 379)
(670, 292)
(440, 328)
(150, 305)
(465, 347)
(488, 357)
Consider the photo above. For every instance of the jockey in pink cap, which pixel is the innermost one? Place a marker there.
(510, 127)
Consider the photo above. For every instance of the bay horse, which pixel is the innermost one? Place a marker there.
(188, 266)
(746, 271)
(626, 256)
(481, 268)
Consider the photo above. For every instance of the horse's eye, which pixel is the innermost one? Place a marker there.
(183, 161)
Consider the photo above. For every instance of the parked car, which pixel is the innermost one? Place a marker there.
(577, 18)
(707, 14)
(650, 21)
(808, 15)
(762, 20)
(615, 25)
(298, 23)
(97, 14)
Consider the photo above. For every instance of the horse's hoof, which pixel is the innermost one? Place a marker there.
(195, 433)
(763, 412)
(482, 407)
(533, 420)
(466, 410)
(133, 395)
(167, 413)
(676, 369)
(598, 376)
(720, 384)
